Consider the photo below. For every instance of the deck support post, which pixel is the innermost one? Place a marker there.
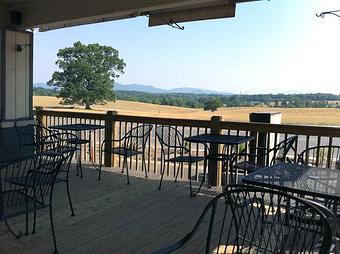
(109, 134)
(215, 166)
(39, 114)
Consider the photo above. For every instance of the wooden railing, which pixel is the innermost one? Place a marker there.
(118, 125)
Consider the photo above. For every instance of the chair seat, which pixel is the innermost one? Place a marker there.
(248, 166)
(186, 159)
(66, 149)
(28, 181)
(221, 157)
(62, 149)
(79, 141)
(123, 151)
(15, 204)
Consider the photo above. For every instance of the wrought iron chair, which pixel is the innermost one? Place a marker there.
(246, 219)
(174, 150)
(26, 186)
(67, 147)
(36, 138)
(261, 157)
(134, 144)
(321, 156)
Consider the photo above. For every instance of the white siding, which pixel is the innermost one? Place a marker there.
(17, 75)
(10, 96)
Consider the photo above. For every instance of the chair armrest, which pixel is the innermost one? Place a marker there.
(112, 140)
(264, 151)
(175, 246)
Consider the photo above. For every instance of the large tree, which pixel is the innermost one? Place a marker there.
(212, 104)
(87, 73)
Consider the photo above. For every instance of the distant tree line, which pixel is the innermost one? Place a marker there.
(44, 92)
(211, 101)
(214, 101)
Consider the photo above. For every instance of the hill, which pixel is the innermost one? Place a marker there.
(151, 89)
(138, 88)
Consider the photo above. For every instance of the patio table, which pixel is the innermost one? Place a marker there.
(220, 139)
(300, 179)
(78, 128)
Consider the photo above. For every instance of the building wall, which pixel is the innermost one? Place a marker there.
(17, 75)
(16, 79)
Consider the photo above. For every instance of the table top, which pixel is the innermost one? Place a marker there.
(11, 153)
(77, 127)
(320, 182)
(219, 139)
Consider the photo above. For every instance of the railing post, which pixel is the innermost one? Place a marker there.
(41, 117)
(214, 166)
(109, 131)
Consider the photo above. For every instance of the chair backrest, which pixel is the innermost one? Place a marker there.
(170, 138)
(321, 156)
(136, 138)
(43, 176)
(66, 145)
(246, 219)
(9, 190)
(36, 138)
(27, 178)
(281, 149)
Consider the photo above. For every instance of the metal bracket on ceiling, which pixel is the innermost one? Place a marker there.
(168, 21)
(175, 25)
(335, 13)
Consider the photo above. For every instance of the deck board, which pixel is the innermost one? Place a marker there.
(111, 216)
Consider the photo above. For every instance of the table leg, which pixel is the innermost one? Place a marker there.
(79, 165)
(205, 165)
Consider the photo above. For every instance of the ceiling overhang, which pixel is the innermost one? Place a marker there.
(192, 14)
(53, 14)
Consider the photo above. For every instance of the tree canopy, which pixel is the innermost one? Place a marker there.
(87, 73)
(212, 104)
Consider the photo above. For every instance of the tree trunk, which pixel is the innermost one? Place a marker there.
(88, 106)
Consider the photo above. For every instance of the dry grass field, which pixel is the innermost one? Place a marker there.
(314, 116)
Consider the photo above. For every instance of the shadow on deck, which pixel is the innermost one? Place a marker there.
(111, 216)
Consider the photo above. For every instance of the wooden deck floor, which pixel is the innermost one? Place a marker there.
(112, 217)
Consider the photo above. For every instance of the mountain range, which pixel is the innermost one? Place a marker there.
(152, 89)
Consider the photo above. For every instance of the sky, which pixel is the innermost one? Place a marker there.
(269, 47)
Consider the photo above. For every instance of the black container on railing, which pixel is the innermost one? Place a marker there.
(264, 140)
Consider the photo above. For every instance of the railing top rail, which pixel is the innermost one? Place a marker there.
(326, 131)
(128, 118)
(71, 114)
(311, 130)
(164, 121)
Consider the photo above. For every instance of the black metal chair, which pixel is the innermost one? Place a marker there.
(39, 139)
(264, 156)
(36, 138)
(79, 142)
(173, 150)
(133, 143)
(321, 156)
(66, 146)
(246, 219)
(26, 186)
